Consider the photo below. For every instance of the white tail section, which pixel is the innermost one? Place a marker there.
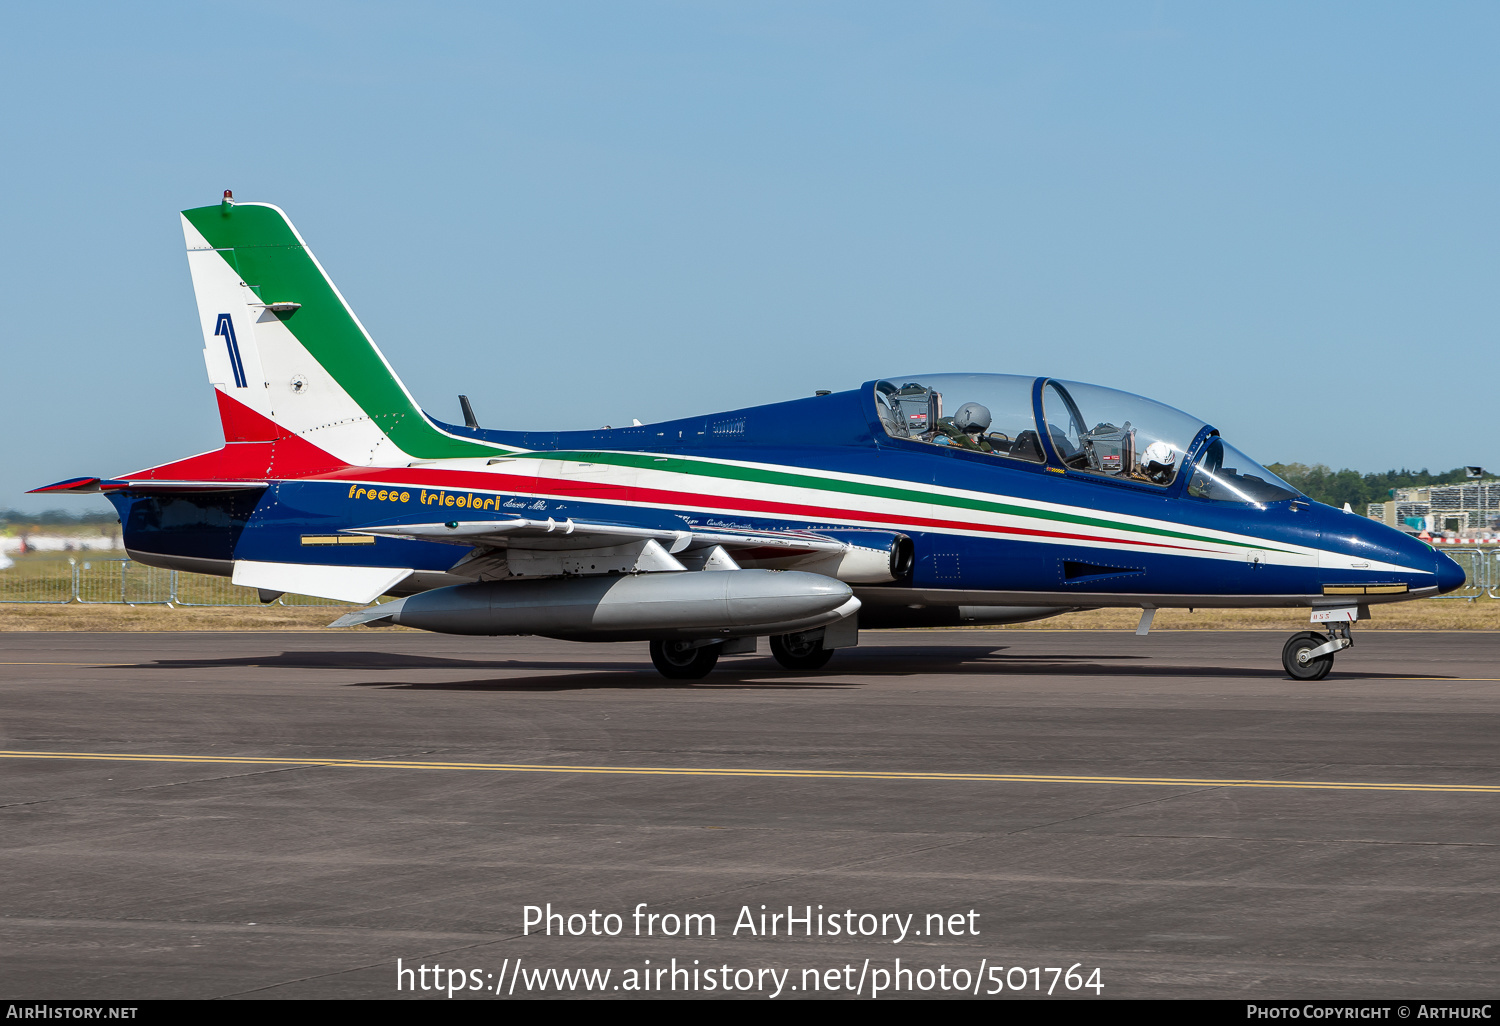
(280, 339)
(253, 358)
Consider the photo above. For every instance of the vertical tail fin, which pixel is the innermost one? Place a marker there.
(280, 340)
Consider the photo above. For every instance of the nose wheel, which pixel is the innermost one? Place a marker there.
(1308, 655)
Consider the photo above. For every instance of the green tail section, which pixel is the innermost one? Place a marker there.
(265, 252)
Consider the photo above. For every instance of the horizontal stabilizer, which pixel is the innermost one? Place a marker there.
(154, 487)
(75, 485)
(353, 584)
(148, 486)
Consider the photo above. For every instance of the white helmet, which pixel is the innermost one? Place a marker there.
(1157, 457)
(971, 418)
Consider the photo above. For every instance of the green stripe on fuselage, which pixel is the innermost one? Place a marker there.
(649, 461)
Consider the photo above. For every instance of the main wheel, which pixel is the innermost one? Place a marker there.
(1313, 669)
(678, 660)
(796, 652)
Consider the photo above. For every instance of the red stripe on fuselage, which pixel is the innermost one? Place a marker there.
(507, 484)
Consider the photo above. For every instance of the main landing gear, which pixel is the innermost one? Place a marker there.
(684, 660)
(1308, 655)
(799, 652)
(694, 660)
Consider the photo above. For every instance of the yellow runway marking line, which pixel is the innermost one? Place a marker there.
(1459, 679)
(99, 665)
(687, 771)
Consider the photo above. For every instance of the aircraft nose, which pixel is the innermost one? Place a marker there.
(1450, 575)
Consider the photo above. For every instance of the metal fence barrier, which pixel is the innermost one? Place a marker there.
(126, 582)
(1481, 572)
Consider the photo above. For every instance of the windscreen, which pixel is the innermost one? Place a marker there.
(1224, 474)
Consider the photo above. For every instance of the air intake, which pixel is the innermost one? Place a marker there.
(1077, 571)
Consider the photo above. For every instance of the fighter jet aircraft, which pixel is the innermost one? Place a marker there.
(912, 500)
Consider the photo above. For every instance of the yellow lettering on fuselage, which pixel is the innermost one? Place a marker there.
(426, 498)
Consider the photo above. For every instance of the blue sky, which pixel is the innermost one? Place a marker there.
(1279, 217)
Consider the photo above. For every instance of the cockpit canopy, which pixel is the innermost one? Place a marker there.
(1092, 430)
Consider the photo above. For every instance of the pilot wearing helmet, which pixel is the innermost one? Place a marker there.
(966, 428)
(1159, 463)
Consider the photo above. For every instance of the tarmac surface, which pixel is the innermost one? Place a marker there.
(1162, 809)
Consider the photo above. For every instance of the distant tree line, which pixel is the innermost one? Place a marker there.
(1337, 487)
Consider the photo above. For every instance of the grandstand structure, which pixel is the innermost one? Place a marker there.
(1469, 510)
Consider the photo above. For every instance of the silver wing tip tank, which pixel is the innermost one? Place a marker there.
(688, 614)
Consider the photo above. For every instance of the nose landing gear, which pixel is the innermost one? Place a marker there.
(1308, 655)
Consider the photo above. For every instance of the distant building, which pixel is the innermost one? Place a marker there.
(1457, 509)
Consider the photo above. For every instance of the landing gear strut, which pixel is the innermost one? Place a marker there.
(1308, 655)
(684, 660)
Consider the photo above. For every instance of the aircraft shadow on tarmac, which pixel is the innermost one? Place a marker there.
(644, 679)
(360, 661)
(872, 662)
(739, 675)
(344, 660)
(922, 658)
(884, 662)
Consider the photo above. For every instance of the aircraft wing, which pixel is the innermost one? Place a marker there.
(781, 542)
(548, 534)
(527, 547)
(581, 534)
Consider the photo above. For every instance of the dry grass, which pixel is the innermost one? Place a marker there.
(1421, 615)
(1425, 615)
(163, 618)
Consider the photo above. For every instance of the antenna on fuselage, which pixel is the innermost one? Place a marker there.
(469, 419)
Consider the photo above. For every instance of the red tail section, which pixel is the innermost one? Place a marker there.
(242, 424)
(255, 449)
